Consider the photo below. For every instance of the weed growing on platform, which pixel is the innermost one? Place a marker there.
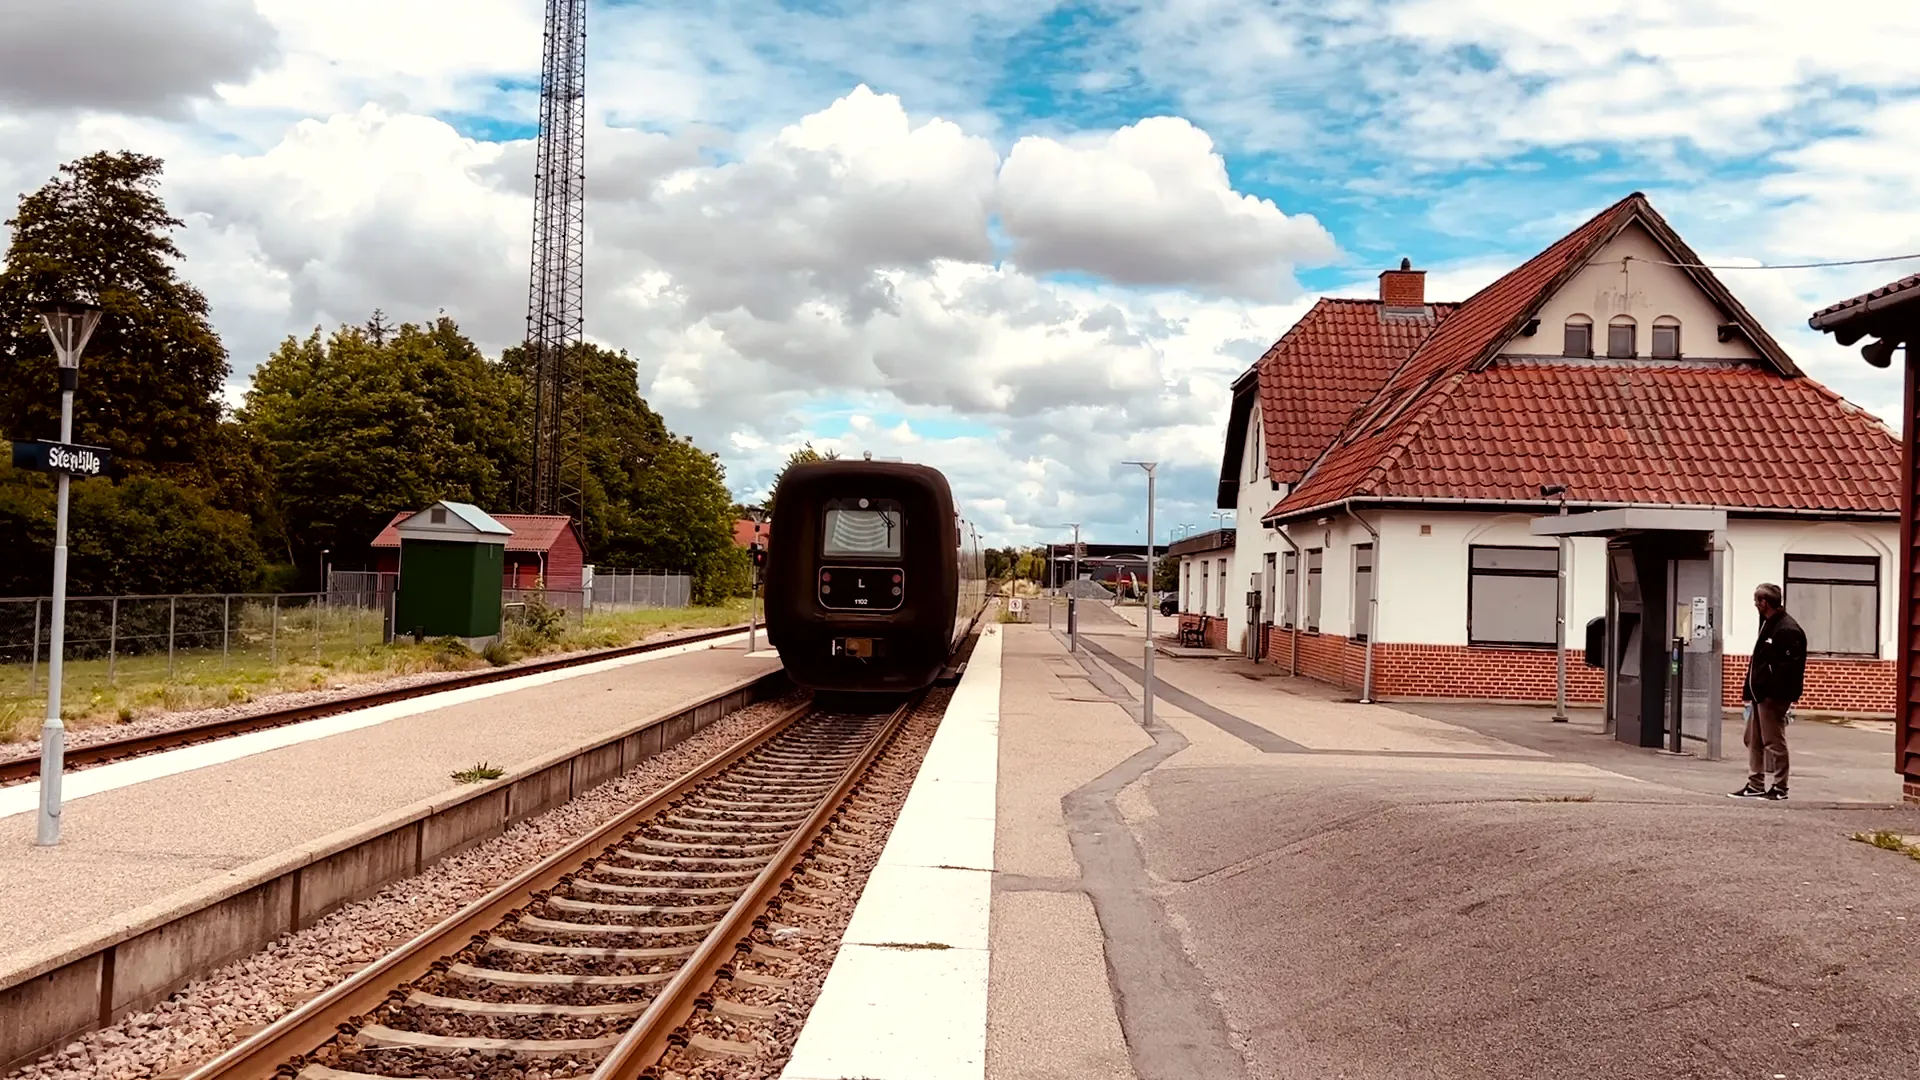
(477, 773)
(1890, 841)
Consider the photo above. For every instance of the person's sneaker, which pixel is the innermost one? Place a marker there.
(1776, 793)
(1751, 791)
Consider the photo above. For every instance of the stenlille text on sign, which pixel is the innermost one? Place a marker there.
(53, 457)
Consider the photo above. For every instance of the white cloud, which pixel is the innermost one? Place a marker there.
(1151, 204)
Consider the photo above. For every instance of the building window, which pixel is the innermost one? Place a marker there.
(1579, 340)
(1666, 338)
(1220, 579)
(1621, 342)
(1290, 581)
(1836, 600)
(1313, 590)
(1362, 591)
(1511, 595)
(1206, 591)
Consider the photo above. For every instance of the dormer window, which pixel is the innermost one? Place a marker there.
(1666, 338)
(437, 515)
(1621, 341)
(1579, 340)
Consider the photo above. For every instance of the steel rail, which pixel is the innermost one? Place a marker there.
(274, 1050)
(26, 768)
(648, 1040)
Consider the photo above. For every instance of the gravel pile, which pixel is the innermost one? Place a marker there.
(803, 935)
(212, 1014)
(293, 699)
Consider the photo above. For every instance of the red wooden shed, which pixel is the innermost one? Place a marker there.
(543, 547)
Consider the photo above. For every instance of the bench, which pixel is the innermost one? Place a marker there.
(1193, 635)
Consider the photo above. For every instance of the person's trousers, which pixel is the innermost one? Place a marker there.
(1766, 741)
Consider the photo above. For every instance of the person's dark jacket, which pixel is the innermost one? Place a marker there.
(1778, 669)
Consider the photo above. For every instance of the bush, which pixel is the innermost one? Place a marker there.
(536, 624)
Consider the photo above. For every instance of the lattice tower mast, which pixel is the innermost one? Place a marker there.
(556, 293)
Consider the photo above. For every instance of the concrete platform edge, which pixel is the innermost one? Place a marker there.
(906, 997)
(89, 979)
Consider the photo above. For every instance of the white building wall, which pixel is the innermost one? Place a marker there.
(1253, 542)
(1423, 576)
(1641, 288)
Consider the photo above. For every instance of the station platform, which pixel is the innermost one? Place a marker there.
(173, 832)
(1268, 881)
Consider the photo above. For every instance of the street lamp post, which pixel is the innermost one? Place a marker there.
(1146, 687)
(758, 514)
(1559, 611)
(69, 325)
(1073, 625)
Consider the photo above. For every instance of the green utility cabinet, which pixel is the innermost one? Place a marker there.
(452, 564)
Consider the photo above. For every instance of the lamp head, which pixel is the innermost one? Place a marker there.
(69, 324)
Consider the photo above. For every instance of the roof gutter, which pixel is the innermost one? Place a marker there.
(1373, 604)
(1454, 502)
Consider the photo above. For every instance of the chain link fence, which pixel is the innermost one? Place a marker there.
(636, 588)
(154, 633)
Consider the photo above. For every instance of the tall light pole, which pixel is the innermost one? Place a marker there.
(1146, 687)
(1073, 625)
(69, 325)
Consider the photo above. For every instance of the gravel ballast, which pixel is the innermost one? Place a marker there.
(212, 1014)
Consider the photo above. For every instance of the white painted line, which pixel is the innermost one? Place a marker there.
(906, 998)
(25, 798)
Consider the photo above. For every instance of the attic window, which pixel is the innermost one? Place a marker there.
(437, 515)
(1666, 338)
(1579, 340)
(1622, 340)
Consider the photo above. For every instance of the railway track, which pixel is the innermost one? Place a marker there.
(596, 960)
(18, 769)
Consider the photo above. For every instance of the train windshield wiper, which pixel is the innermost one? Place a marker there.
(887, 520)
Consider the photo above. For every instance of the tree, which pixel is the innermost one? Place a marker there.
(802, 456)
(144, 534)
(151, 377)
(355, 431)
(1166, 573)
(682, 520)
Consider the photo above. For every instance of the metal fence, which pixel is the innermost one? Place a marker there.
(118, 632)
(634, 588)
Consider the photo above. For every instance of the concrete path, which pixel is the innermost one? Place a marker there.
(124, 849)
(1317, 888)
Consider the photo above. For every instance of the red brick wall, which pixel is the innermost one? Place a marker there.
(1216, 628)
(1457, 671)
(1866, 686)
(1910, 791)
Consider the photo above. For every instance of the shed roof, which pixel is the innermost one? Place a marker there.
(529, 532)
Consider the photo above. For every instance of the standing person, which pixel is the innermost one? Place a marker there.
(1775, 676)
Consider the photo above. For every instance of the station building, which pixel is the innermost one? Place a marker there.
(1389, 460)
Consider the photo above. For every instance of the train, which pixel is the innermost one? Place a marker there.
(874, 578)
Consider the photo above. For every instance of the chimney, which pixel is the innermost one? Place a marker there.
(1403, 288)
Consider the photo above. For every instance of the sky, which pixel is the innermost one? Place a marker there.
(1022, 242)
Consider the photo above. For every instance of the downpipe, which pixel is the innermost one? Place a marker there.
(1373, 608)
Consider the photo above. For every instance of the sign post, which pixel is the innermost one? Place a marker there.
(69, 325)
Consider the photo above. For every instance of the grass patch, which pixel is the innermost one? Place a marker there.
(476, 773)
(1890, 841)
(1588, 797)
(912, 945)
(307, 650)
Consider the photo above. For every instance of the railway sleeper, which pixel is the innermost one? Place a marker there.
(631, 874)
(516, 1008)
(473, 973)
(568, 903)
(555, 926)
(381, 1036)
(588, 952)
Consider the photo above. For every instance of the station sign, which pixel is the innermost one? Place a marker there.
(69, 458)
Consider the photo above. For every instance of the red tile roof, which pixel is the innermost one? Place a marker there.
(1911, 281)
(743, 532)
(531, 532)
(1452, 424)
(1332, 362)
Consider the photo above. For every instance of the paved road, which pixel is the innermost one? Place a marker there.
(1383, 914)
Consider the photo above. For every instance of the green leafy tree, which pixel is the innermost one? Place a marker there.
(355, 430)
(144, 534)
(682, 520)
(151, 376)
(801, 456)
(1166, 573)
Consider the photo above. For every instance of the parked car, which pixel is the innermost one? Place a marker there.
(1169, 604)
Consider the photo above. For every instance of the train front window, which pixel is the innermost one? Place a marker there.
(863, 528)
